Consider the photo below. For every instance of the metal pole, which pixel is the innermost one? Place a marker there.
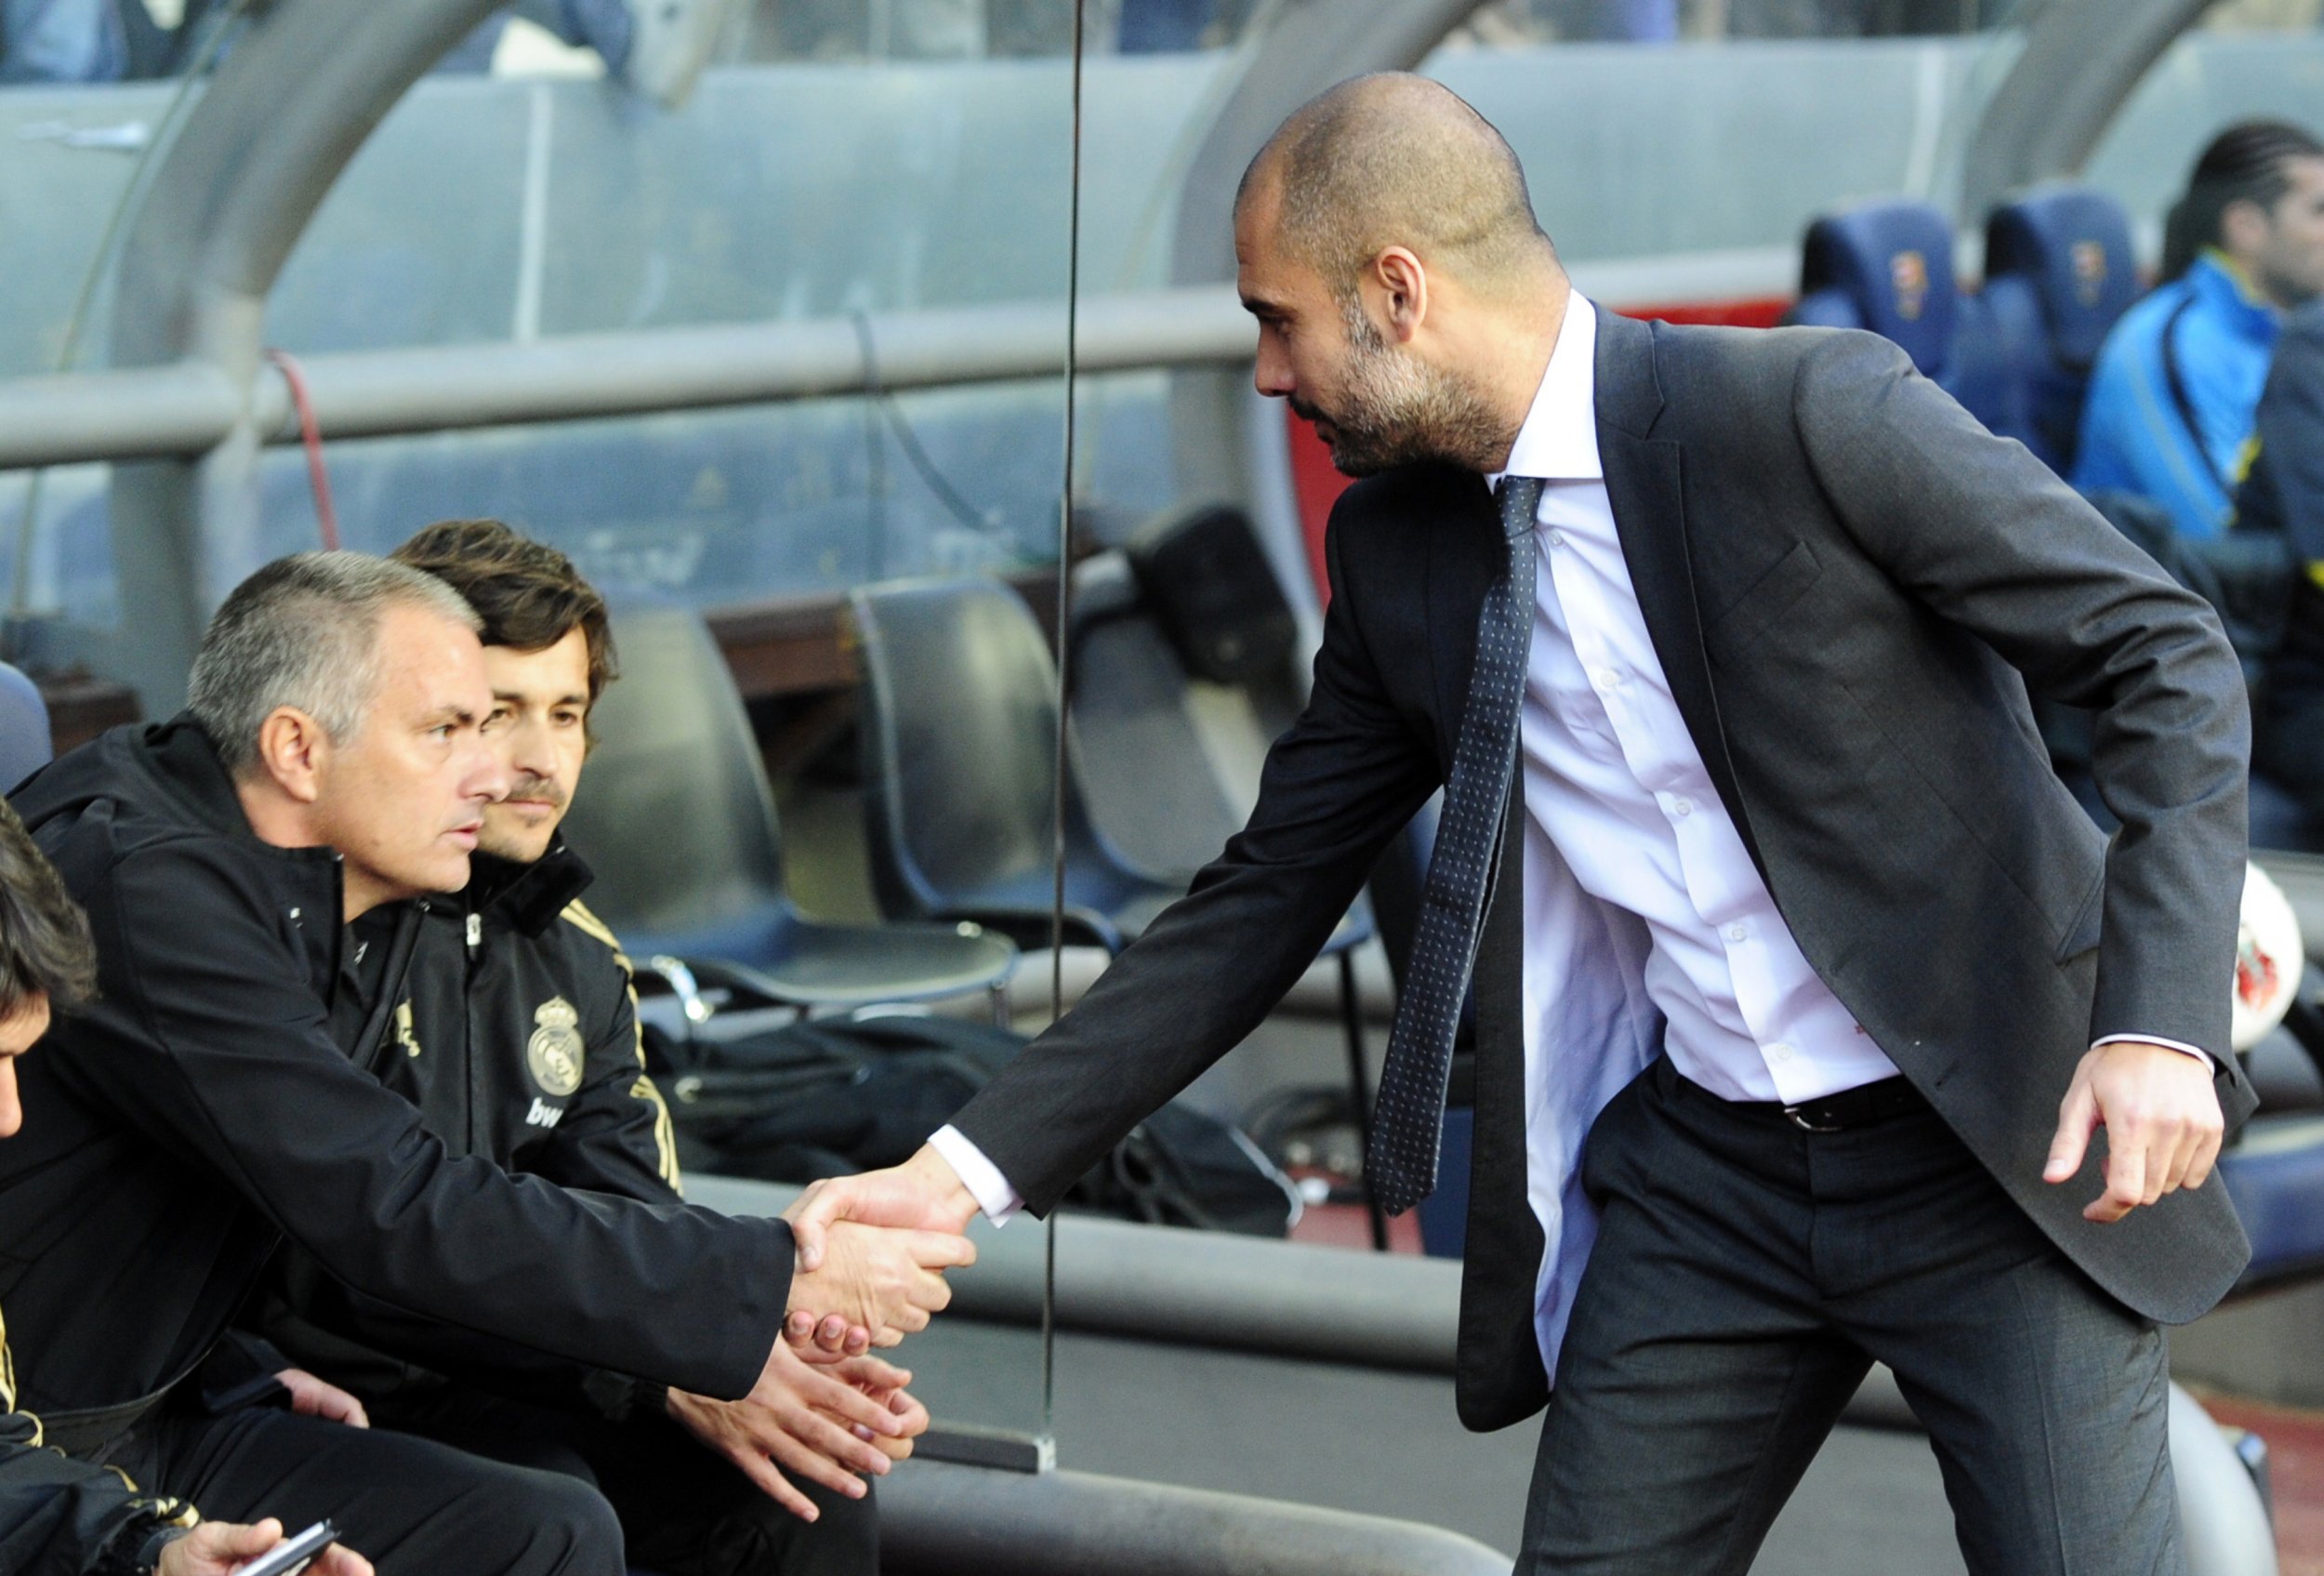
(188, 407)
(292, 103)
(2080, 61)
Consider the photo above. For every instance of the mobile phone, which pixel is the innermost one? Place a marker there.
(290, 1555)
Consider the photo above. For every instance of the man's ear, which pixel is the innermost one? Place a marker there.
(1401, 287)
(2244, 227)
(293, 752)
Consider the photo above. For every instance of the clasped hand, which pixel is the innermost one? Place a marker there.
(883, 1277)
(921, 1202)
(2162, 1122)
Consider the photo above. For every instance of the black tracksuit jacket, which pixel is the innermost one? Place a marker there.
(515, 1031)
(64, 1517)
(202, 1111)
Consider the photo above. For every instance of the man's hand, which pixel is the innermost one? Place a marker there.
(310, 1397)
(923, 1194)
(219, 1548)
(885, 1385)
(2162, 1122)
(811, 1420)
(888, 1282)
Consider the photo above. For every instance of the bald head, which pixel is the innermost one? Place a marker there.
(1395, 160)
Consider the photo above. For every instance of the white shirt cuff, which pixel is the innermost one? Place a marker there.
(2197, 1051)
(979, 1175)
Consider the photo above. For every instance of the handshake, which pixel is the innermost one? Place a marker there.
(872, 1252)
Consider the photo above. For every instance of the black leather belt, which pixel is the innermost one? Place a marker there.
(1860, 1106)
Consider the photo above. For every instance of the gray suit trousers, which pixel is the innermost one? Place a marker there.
(1745, 1276)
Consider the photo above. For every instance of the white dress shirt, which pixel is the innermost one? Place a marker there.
(1631, 861)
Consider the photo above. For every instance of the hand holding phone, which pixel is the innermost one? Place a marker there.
(292, 1554)
(227, 1548)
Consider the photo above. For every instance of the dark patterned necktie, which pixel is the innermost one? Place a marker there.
(1407, 1122)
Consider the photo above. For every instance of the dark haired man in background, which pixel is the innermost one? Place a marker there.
(515, 1033)
(2170, 406)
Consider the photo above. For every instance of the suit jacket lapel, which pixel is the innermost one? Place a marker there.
(1643, 482)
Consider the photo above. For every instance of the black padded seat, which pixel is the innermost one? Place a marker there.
(959, 732)
(676, 817)
(25, 741)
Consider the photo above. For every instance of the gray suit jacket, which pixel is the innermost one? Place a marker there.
(1850, 585)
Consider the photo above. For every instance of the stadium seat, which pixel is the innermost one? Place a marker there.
(2059, 271)
(25, 745)
(1184, 652)
(959, 730)
(678, 822)
(1888, 267)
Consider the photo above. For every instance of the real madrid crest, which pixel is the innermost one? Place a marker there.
(553, 1054)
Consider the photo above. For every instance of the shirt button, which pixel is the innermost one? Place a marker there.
(1739, 932)
(1683, 807)
(1557, 538)
(1608, 679)
(1779, 1052)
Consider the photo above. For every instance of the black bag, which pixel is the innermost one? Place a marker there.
(830, 1096)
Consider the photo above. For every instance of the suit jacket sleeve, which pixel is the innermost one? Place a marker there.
(1988, 537)
(1350, 772)
(209, 1040)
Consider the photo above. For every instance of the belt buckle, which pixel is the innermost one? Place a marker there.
(1798, 1117)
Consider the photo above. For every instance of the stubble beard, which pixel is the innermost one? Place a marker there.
(1396, 409)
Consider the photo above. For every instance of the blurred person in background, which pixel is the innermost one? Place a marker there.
(2170, 409)
(2284, 493)
(655, 47)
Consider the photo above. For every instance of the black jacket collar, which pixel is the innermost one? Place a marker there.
(527, 898)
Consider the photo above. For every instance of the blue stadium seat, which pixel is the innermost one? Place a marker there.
(24, 740)
(2276, 1176)
(2059, 271)
(1888, 267)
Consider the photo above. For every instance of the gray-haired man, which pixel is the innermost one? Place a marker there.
(201, 1110)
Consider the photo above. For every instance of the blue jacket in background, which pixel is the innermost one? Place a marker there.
(2134, 439)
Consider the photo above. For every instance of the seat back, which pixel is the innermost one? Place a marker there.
(674, 813)
(2059, 270)
(1207, 581)
(1183, 669)
(1143, 749)
(25, 745)
(959, 732)
(1886, 266)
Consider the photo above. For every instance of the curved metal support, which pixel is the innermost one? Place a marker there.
(2080, 61)
(1311, 45)
(286, 110)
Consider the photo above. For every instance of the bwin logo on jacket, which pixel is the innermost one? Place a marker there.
(553, 1055)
